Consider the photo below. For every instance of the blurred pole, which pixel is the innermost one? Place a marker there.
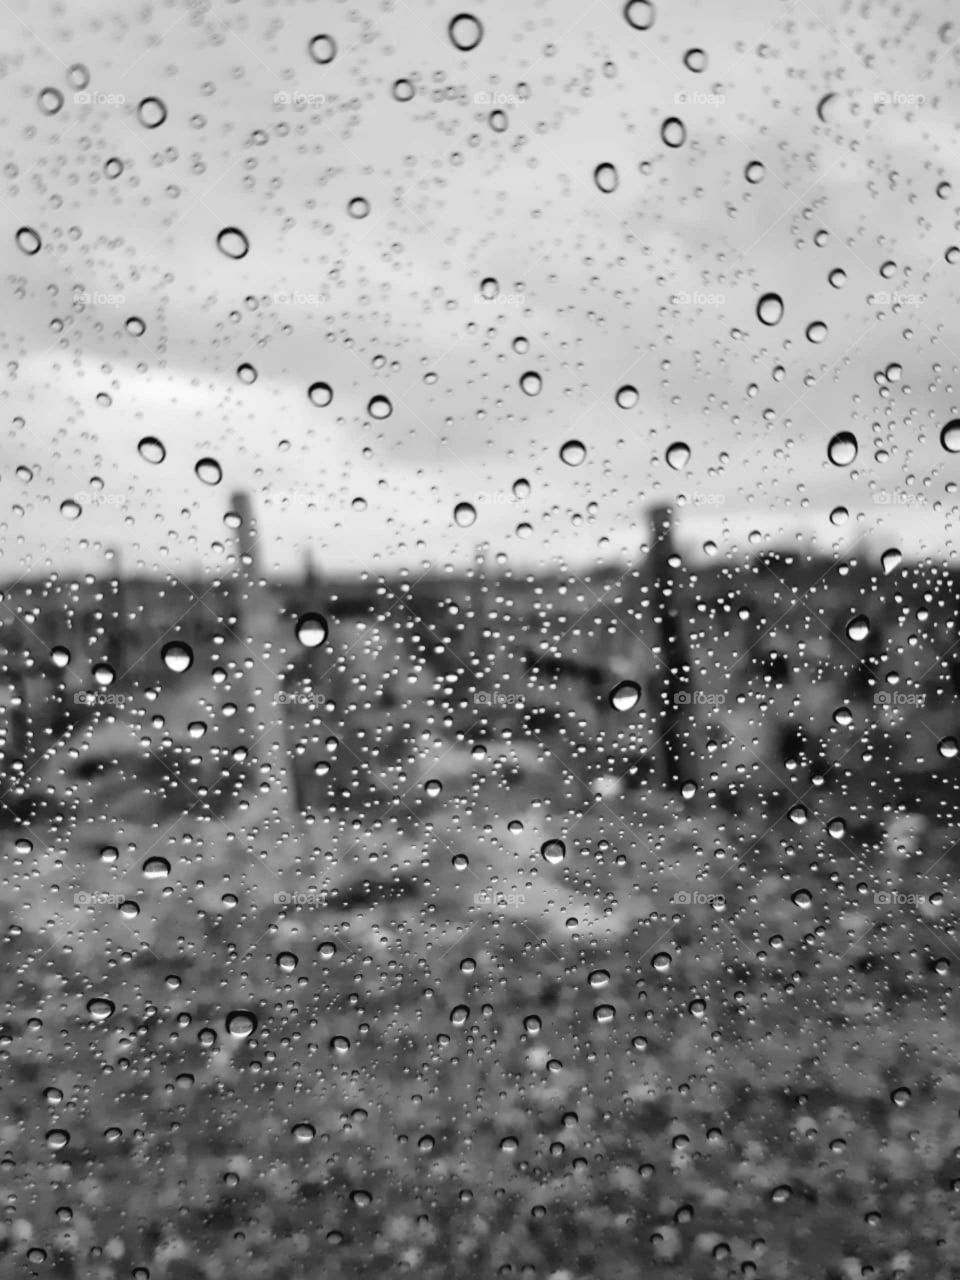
(676, 715)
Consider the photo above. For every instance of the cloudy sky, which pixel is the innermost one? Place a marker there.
(590, 198)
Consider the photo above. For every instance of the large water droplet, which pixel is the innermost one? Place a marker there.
(465, 31)
(640, 14)
(627, 396)
(673, 132)
(209, 471)
(464, 514)
(312, 630)
(177, 656)
(459, 1014)
(151, 112)
(100, 1008)
(241, 1024)
(379, 407)
(553, 851)
(322, 49)
(28, 241)
(573, 453)
(843, 448)
(69, 509)
(950, 436)
(858, 628)
(948, 748)
(770, 309)
(890, 559)
(531, 383)
(151, 449)
(303, 1132)
(233, 242)
(320, 394)
(625, 696)
(606, 178)
(816, 331)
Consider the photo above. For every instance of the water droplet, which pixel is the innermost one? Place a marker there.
(209, 471)
(891, 559)
(599, 979)
(837, 277)
(695, 60)
(625, 696)
(320, 394)
(553, 851)
(379, 407)
(136, 326)
(839, 516)
(465, 32)
(755, 172)
(303, 1132)
(247, 374)
(113, 167)
(69, 509)
(531, 383)
(151, 449)
(843, 448)
(950, 436)
(802, 898)
(241, 1024)
(532, 1025)
(232, 242)
(816, 331)
(459, 1014)
(322, 49)
(464, 514)
(403, 90)
(312, 630)
(28, 241)
(358, 207)
(948, 748)
(678, 455)
(900, 1097)
(151, 112)
(156, 868)
(627, 396)
(662, 961)
(57, 1139)
(606, 178)
(573, 453)
(100, 1008)
(60, 656)
(780, 1195)
(673, 132)
(770, 309)
(50, 101)
(604, 1013)
(823, 104)
(858, 628)
(340, 1044)
(177, 656)
(843, 716)
(640, 14)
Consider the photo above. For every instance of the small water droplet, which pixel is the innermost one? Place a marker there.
(673, 132)
(755, 172)
(151, 112)
(322, 49)
(606, 178)
(858, 628)
(770, 309)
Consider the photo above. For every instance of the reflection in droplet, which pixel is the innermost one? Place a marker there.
(678, 455)
(842, 449)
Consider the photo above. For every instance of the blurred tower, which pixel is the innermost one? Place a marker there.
(673, 686)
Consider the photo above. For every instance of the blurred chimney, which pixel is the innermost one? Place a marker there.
(247, 533)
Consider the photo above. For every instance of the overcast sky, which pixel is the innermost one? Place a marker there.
(653, 284)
